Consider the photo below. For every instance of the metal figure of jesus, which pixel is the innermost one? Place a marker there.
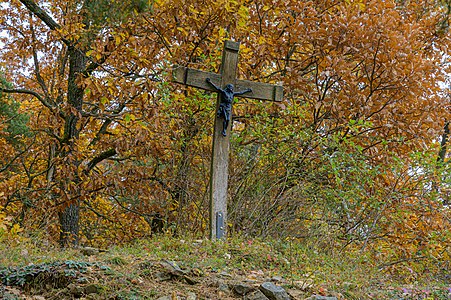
(225, 106)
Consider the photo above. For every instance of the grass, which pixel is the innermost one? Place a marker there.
(128, 271)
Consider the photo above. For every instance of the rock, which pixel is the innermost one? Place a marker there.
(191, 296)
(75, 290)
(190, 280)
(276, 279)
(163, 276)
(223, 287)
(274, 292)
(88, 251)
(257, 295)
(225, 274)
(172, 297)
(92, 289)
(197, 242)
(316, 297)
(173, 268)
(296, 294)
(242, 288)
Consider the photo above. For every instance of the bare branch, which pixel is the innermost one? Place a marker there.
(99, 158)
(417, 258)
(41, 14)
(97, 213)
(44, 17)
(106, 123)
(5, 167)
(37, 70)
(28, 92)
(160, 35)
(94, 65)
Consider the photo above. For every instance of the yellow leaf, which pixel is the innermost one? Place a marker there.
(117, 40)
(361, 6)
(182, 30)
(15, 229)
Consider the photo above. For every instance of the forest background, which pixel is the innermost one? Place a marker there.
(99, 147)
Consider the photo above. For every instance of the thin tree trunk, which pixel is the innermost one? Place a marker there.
(436, 182)
(443, 144)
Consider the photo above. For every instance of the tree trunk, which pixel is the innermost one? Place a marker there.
(69, 222)
(443, 144)
(70, 216)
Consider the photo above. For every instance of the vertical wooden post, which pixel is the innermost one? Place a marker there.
(220, 153)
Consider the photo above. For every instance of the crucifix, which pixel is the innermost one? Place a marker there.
(227, 86)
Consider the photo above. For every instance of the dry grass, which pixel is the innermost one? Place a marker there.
(134, 271)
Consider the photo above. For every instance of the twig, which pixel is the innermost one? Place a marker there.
(386, 265)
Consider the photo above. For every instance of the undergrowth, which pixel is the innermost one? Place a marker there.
(300, 265)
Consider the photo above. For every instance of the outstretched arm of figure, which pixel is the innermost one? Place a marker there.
(208, 80)
(243, 92)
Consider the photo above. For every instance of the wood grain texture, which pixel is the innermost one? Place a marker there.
(221, 144)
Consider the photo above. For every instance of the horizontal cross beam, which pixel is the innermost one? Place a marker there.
(197, 78)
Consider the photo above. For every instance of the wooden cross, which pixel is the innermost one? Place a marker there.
(220, 153)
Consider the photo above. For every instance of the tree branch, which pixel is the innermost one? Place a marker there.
(5, 167)
(108, 50)
(101, 131)
(41, 14)
(94, 65)
(102, 156)
(134, 211)
(97, 213)
(37, 70)
(28, 92)
(389, 264)
(106, 123)
(44, 17)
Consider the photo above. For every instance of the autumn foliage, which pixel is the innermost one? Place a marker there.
(99, 147)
